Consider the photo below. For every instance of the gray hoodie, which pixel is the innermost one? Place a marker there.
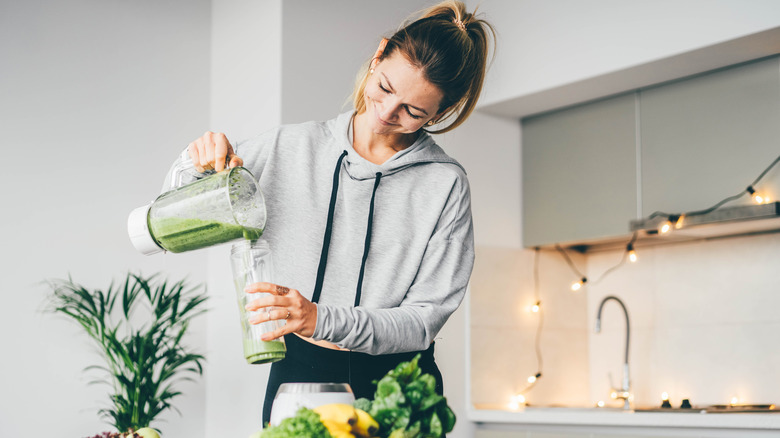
(385, 250)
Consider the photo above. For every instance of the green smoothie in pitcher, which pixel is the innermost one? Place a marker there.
(183, 234)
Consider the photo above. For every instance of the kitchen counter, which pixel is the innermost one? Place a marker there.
(769, 421)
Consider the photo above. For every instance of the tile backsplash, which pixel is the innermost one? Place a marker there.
(704, 318)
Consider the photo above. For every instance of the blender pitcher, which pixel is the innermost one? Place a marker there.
(251, 263)
(219, 208)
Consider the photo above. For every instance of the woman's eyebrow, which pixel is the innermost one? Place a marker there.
(390, 87)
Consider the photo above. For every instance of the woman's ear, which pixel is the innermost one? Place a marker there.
(379, 51)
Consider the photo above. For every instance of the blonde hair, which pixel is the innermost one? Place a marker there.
(450, 46)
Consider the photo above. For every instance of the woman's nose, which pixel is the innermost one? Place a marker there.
(389, 110)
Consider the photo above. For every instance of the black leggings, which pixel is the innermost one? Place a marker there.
(306, 362)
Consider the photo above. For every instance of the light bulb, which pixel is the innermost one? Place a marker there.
(631, 253)
(535, 307)
(665, 227)
(734, 401)
(613, 395)
(664, 396)
(600, 403)
(761, 199)
(578, 285)
(531, 379)
(680, 222)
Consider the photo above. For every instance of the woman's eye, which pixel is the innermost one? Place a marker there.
(383, 88)
(412, 115)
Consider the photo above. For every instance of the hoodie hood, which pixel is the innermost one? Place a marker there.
(423, 150)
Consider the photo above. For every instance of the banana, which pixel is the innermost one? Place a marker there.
(365, 426)
(338, 429)
(338, 413)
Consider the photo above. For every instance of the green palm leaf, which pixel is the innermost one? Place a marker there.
(142, 364)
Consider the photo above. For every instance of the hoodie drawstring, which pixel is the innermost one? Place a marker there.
(368, 241)
(329, 229)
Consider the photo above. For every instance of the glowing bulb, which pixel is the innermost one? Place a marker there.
(578, 285)
(613, 395)
(517, 401)
(535, 307)
(631, 253)
(680, 222)
(531, 379)
(600, 403)
(664, 396)
(734, 401)
(761, 199)
(665, 227)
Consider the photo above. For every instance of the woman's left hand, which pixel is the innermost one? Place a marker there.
(288, 304)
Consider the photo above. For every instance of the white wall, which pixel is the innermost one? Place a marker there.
(96, 99)
(245, 101)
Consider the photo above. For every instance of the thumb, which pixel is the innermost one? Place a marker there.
(235, 161)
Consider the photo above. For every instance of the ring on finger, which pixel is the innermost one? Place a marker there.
(288, 315)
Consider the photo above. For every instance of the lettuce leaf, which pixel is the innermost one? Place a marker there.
(406, 404)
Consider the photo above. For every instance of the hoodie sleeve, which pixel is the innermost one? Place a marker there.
(437, 291)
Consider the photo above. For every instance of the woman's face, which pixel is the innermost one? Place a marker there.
(399, 100)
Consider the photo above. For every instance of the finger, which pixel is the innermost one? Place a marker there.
(277, 313)
(276, 334)
(282, 290)
(235, 161)
(267, 301)
(210, 145)
(260, 287)
(221, 147)
(203, 161)
(192, 150)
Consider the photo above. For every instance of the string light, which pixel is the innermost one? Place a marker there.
(578, 284)
(519, 398)
(758, 198)
(517, 401)
(680, 222)
(676, 220)
(629, 254)
(632, 257)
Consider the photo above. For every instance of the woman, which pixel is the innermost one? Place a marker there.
(369, 220)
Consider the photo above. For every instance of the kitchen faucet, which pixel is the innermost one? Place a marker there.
(624, 393)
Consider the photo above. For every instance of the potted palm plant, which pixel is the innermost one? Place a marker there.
(138, 327)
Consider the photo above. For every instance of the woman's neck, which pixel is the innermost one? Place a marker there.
(377, 148)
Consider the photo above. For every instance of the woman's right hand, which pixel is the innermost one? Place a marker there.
(211, 151)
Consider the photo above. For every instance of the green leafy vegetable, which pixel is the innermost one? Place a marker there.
(406, 404)
(305, 423)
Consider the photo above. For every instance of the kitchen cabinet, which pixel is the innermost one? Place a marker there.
(587, 171)
(579, 172)
(708, 137)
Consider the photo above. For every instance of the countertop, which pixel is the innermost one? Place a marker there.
(617, 417)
